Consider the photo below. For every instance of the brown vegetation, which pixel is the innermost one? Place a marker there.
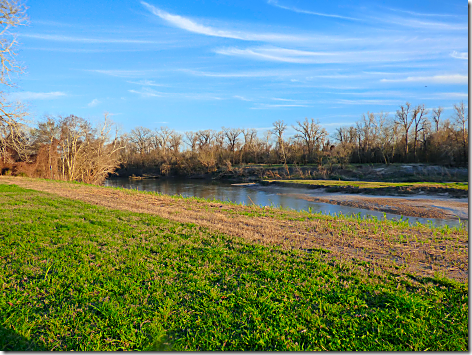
(71, 149)
(67, 149)
(376, 138)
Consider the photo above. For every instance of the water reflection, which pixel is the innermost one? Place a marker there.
(255, 194)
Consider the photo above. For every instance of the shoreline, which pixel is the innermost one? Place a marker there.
(390, 200)
(408, 201)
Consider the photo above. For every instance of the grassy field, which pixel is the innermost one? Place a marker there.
(379, 185)
(75, 276)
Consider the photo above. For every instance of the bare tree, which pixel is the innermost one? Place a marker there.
(249, 138)
(155, 141)
(87, 154)
(46, 138)
(366, 134)
(140, 137)
(418, 119)
(165, 135)
(12, 14)
(75, 132)
(231, 135)
(101, 156)
(436, 116)
(13, 131)
(403, 119)
(386, 135)
(461, 118)
(278, 131)
(175, 141)
(12, 115)
(191, 140)
(204, 139)
(341, 135)
(312, 134)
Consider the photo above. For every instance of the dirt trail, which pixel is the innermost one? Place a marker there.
(415, 250)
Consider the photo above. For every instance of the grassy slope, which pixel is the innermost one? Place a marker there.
(81, 277)
(376, 185)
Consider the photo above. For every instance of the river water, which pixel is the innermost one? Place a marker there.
(276, 196)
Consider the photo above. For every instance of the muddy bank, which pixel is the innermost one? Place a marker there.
(413, 207)
(393, 190)
(367, 172)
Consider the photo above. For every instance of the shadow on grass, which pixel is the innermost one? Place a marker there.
(12, 341)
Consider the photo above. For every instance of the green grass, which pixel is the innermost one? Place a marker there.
(81, 277)
(376, 185)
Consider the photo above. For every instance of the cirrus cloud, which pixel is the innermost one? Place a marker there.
(192, 26)
(28, 95)
(436, 79)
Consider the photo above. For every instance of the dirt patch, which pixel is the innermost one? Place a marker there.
(416, 250)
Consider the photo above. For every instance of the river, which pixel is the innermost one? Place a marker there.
(276, 196)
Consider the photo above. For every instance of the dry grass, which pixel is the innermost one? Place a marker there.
(398, 248)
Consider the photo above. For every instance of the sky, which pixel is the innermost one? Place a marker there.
(205, 64)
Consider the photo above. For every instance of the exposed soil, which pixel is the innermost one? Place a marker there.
(417, 250)
(392, 190)
(414, 207)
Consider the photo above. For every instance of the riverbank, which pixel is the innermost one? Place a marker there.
(425, 199)
(97, 269)
(348, 172)
(453, 189)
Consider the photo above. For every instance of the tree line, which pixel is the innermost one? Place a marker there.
(413, 134)
(70, 148)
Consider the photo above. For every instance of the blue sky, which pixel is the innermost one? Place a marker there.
(205, 64)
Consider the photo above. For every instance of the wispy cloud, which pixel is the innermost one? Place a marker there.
(124, 73)
(292, 101)
(427, 25)
(28, 95)
(192, 26)
(295, 9)
(146, 82)
(93, 103)
(148, 93)
(367, 102)
(286, 55)
(421, 14)
(60, 38)
(81, 50)
(445, 95)
(437, 79)
(270, 106)
(242, 98)
(273, 54)
(51, 23)
(460, 55)
(90, 50)
(242, 74)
